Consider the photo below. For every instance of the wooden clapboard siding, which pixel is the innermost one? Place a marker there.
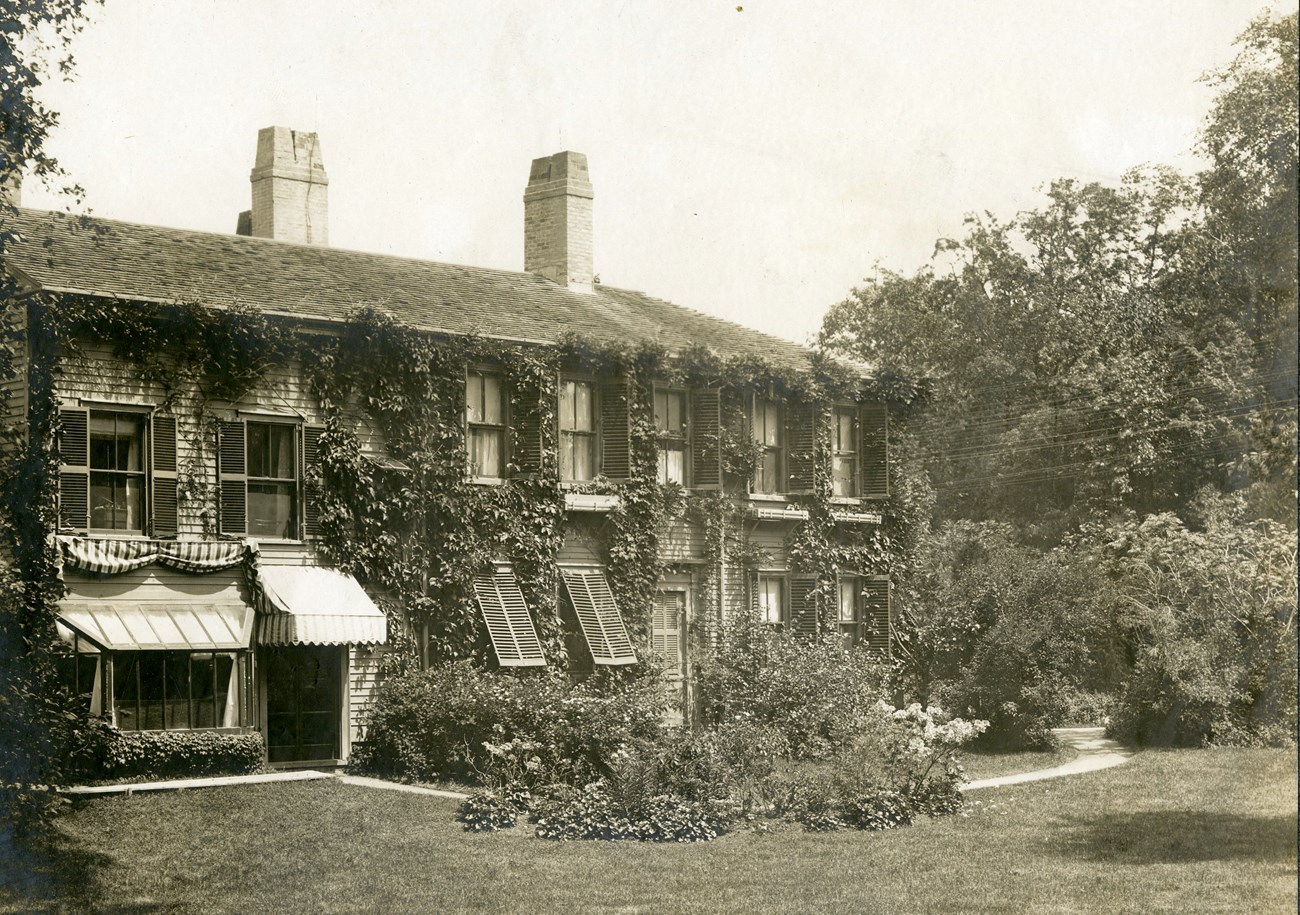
(363, 684)
(682, 541)
(158, 583)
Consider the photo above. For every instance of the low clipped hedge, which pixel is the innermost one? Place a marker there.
(113, 754)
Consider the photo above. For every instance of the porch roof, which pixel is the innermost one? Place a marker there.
(117, 625)
(309, 605)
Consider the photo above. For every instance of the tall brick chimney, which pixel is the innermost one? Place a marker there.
(289, 189)
(557, 221)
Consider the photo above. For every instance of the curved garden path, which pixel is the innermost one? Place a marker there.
(1096, 751)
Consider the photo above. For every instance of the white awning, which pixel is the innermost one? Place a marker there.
(307, 605)
(129, 626)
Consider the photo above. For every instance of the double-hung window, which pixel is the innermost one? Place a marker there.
(850, 608)
(117, 471)
(485, 421)
(272, 480)
(844, 452)
(769, 438)
(578, 430)
(670, 426)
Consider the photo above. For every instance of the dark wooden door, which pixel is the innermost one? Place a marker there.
(304, 692)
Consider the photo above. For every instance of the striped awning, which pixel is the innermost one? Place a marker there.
(127, 626)
(113, 557)
(308, 605)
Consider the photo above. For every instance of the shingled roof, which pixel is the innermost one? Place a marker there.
(124, 260)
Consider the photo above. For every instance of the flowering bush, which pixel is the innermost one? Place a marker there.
(592, 813)
(494, 809)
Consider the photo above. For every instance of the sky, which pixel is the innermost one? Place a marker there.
(752, 160)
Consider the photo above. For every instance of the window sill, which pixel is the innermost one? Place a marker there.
(590, 502)
(487, 481)
(768, 497)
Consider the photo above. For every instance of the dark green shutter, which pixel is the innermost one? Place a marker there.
(311, 479)
(232, 473)
(525, 452)
(803, 606)
(875, 450)
(875, 613)
(615, 434)
(74, 469)
(801, 446)
(706, 438)
(163, 481)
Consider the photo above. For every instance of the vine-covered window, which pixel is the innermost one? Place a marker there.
(176, 690)
(485, 419)
(769, 437)
(850, 608)
(844, 448)
(117, 471)
(272, 480)
(578, 430)
(670, 424)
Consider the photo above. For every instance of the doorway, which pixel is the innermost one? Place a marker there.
(303, 702)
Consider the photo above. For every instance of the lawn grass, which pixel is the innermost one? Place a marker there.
(990, 765)
(1195, 831)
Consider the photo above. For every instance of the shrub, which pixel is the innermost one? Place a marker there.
(464, 722)
(110, 753)
(591, 813)
(494, 809)
(814, 692)
(881, 808)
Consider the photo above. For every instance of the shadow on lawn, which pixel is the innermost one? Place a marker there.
(52, 873)
(1172, 836)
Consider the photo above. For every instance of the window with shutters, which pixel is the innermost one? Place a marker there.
(864, 610)
(768, 430)
(117, 471)
(272, 462)
(485, 424)
(844, 452)
(850, 608)
(671, 430)
(578, 430)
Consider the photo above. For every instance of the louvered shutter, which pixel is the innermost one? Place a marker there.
(706, 438)
(232, 473)
(598, 617)
(311, 486)
(666, 627)
(74, 469)
(801, 446)
(526, 425)
(162, 482)
(751, 580)
(615, 433)
(875, 450)
(803, 606)
(508, 623)
(875, 613)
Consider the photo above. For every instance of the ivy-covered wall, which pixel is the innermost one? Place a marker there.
(418, 535)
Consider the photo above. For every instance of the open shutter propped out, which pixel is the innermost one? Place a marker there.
(875, 613)
(615, 434)
(311, 480)
(803, 606)
(74, 470)
(232, 470)
(163, 477)
(875, 447)
(602, 624)
(801, 447)
(508, 624)
(706, 438)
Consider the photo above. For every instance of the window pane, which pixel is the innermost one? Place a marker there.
(474, 397)
(676, 412)
(844, 431)
(133, 503)
(271, 509)
(485, 452)
(848, 601)
(102, 501)
(663, 467)
(567, 395)
(152, 689)
(177, 699)
(566, 456)
(583, 414)
(584, 457)
(125, 690)
(227, 695)
(767, 472)
(771, 425)
(674, 462)
(259, 449)
(770, 600)
(661, 410)
(492, 412)
(201, 668)
(843, 476)
(282, 451)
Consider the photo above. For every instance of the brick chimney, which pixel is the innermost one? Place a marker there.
(557, 221)
(289, 189)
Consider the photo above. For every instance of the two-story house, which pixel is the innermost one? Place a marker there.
(273, 460)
